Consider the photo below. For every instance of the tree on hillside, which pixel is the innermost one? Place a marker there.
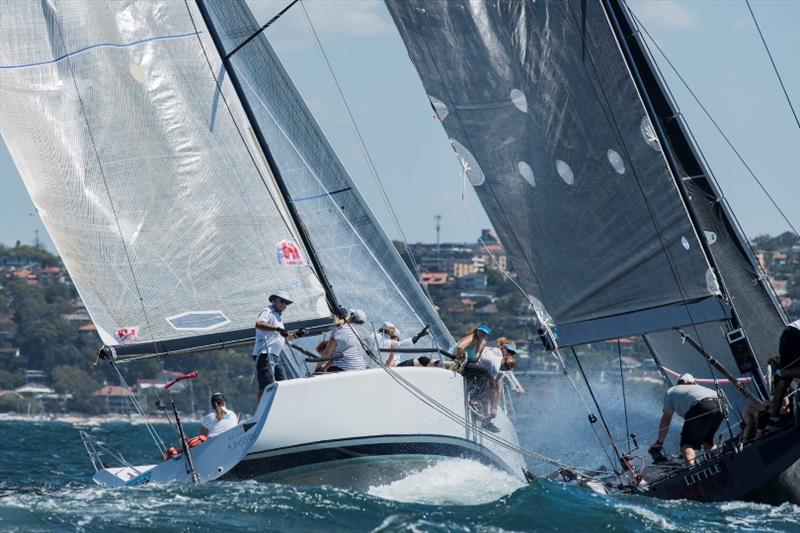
(70, 380)
(36, 253)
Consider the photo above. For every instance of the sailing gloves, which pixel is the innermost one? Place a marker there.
(423, 332)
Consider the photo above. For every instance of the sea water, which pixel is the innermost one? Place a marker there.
(45, 485)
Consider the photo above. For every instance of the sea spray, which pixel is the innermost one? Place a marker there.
(450, 482)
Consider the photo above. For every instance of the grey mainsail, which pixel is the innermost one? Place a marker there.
(548, 124)
(144, 172)
(361, 263)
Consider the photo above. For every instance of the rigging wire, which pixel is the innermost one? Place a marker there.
(617, 451)
(278, 204)
(333, 203)
(367, 155)
(774, 66)
(716, 126)
(624, 396)
(128, 258)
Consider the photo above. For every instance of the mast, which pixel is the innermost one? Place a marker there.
(333, 303)
(677, 151)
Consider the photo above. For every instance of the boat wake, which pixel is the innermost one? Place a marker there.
(450, 482)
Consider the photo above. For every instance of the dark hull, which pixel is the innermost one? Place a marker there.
(756, 471)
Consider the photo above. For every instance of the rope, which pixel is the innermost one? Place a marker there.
(774, 67)
(136, 405)
(599, 410)
(624, 396)
(367, 156)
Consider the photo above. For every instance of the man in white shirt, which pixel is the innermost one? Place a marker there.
(220, 419)
(700, 409)
(271, 337)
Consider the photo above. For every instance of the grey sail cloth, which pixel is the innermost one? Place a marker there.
(545, 118)
(157, 200)
(362, 265)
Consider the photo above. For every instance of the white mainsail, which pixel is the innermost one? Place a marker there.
(144, 172)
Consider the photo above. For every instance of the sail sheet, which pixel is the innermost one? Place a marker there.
(144, 172)
(543, 114)
(362, 265)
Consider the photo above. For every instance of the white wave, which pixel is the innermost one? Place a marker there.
(650, 517)
(450, 482)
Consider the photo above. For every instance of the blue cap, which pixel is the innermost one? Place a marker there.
(484, 328)
(511, 347)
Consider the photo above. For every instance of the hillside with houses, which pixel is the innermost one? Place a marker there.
(48, 343)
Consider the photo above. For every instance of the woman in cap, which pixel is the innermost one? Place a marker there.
(344, 345)
(470, 347)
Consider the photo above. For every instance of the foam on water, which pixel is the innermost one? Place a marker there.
(450, 482)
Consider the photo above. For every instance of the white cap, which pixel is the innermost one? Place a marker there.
(359, 316)
(686, 379)
(283, 295)
(388, 325)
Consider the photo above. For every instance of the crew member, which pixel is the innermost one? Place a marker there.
(220, 418)
(485, 385)
(388, 337)
(700, 409)
(271, 337)
(788, 368)
(469, 348)
(345, 346)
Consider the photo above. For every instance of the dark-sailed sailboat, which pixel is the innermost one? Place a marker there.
(610, 216)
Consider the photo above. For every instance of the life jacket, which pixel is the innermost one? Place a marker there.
(172, 452)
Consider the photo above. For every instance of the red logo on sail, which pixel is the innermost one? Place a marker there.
(289, 254)
(125, 335)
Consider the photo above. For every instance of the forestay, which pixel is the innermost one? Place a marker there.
(145, 175)
(547, 123)
(362, 265)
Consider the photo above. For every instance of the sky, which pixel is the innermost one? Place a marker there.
(714, 44)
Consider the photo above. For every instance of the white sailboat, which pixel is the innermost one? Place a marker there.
(174, 165)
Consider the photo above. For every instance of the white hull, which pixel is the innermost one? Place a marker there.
(349, 429)
(360, 417)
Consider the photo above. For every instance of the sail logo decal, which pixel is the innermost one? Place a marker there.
(126, 335)
(289, 254)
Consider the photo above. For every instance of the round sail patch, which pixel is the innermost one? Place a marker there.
(469, 165)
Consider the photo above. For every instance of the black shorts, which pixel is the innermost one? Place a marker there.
(424, 360)
(268, 373)
(702, 422)
(790, 348)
